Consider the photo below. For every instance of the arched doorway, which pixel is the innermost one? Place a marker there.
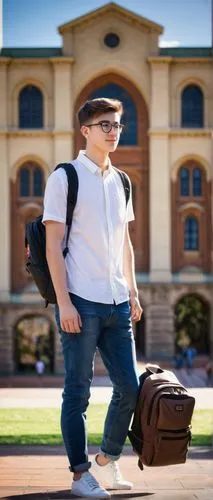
(131, 155)
(33, 340)
(130, 116)
(192, 324)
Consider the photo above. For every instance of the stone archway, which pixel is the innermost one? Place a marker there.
(132, 159)
(192, 324)
(33, 340)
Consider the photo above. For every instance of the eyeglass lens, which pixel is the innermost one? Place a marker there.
(107, 126)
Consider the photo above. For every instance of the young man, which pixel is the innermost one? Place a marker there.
(97, 297)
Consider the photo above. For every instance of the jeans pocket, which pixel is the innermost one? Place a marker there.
(83, 306)
(124, 308)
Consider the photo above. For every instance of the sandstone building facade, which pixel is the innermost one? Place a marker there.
(166, 150)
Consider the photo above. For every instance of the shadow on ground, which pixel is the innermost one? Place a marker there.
(64, 494)
(195, 452)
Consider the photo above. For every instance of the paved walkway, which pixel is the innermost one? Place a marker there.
(51, 398)
(31, 473)
(41, 473)
(101, 390)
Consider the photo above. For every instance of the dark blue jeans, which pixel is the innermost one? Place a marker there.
(108, 327)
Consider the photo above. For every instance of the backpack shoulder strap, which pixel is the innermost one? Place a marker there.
(72, 194)
(125, 181)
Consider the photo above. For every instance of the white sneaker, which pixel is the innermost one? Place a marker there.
(110, 475)
(88, 487)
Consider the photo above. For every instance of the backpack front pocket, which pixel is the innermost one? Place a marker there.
(170, 449)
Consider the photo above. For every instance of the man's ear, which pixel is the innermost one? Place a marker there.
(84, 131)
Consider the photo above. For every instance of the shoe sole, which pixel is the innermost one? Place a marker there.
(117, 488)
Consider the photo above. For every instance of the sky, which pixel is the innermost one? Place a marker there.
(34, 23)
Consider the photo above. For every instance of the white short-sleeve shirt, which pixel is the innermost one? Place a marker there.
(94, 263)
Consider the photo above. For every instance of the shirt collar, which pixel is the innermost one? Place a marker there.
(90, 164)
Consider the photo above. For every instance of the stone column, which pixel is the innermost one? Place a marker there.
(6, 343)
(160, 336)
(4, 188)
(63, 109)
(159, 197)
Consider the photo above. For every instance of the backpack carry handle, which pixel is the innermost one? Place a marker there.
(153, 368)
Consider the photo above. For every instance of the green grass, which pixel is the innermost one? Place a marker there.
(42, 426)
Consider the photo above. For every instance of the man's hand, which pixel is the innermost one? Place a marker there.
(136, 309)
(70, 318)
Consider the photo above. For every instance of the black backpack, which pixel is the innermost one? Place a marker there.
(35, 236)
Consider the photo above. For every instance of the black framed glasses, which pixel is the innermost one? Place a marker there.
(107, 126)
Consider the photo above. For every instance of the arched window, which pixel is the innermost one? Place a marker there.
(24, 182)
(37, 182)
(197, 182)
(190, 180)
(191, 234)
(31, 181)
(30, 107)
(184, 181)
(115, 91)
(192, 107)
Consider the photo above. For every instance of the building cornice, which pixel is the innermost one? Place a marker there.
(36, 60)
(154, 132)
(28, 61)
(180, 132)
(185, 60)
(160, 59)
(179, 60)
(62, 60)
(41, 133)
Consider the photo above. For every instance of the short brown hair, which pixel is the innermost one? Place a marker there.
(95, 107)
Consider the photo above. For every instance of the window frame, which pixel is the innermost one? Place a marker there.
(190, 124)
(194, 218)
(31, 167)
(30, 124)
(191, 167)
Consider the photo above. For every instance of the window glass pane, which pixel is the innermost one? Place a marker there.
(197, 182)
(114, 91)
(184, 181)
(24, 182)
(30, 107)
(192, 107)
(111, 40)
(37, 182)
(191, 236)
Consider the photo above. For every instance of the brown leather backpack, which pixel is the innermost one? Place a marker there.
(160, 432)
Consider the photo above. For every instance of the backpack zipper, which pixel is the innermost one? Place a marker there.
(186, 429)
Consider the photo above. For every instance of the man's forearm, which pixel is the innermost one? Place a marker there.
(57, 269)
(129, 270)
